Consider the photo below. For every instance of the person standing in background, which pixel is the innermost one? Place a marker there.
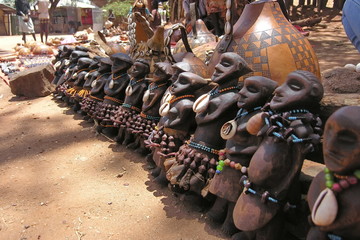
(25, 23)
(43, 10)
(351, 20)
(156, 21)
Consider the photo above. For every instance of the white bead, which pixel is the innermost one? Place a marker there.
(358, 68)
(350, 66)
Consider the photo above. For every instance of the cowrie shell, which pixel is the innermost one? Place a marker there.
(201, 103)
(86, 76)
(67, 62)
(57, 64)
(128, 90)
(111, 84)
(164, 109)
(325, 208)
(67, 72)
(166, 98)
(146, 95)
(74, 75)
(93, 83)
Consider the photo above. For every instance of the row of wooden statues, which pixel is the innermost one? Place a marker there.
(239, 146)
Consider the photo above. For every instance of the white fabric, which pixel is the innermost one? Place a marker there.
(26, 27)
(43, 9)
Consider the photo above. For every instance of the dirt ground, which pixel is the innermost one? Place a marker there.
(60, 181)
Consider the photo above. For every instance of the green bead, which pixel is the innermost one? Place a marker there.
(220, 168)
(328, 177)
(329, 184)
(326, 170)
(357, 174)
(221, 163)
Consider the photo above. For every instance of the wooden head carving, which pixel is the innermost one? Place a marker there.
(140, 68)
(255, 92)
(302, 89)
(334, 194)
(121, 62)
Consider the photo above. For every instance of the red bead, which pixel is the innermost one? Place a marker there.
(336, 187)
(344, 184)
(232, 164)
(352, 180)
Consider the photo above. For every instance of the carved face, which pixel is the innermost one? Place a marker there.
(255, 92)
(138, 70)
(341, 146)
(176, 74)
(225, 69)
(104, 67)
(299, 91)
(181, 85)
(159, 75)
(119, 66)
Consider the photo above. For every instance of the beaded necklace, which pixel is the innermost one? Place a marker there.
(126, 105)
(150, 88)
(344, 182)
(216, 90)
(121, 75)
(84, 69)
(132, 82)
(172, 100)
(203, 147)
(100, 76)
(149, 117)
(227, 162)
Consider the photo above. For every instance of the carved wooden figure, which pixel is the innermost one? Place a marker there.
(334, 194)
(114, 90)
(90, 104)
(124, 117)
(82, 95)
(149, 117)
(291, 131)
(61, 63)
(196, 160)
(240, 147)
(178, 121)
(76, 79)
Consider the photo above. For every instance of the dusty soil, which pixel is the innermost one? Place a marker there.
(60, 181)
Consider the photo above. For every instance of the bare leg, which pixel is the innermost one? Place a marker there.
(33, 34)
(24, 37)
(41, 36)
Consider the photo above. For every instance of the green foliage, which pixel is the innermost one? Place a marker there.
(10, 3)
(120, 8)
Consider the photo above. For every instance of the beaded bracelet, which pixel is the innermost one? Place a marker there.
(202, 147)
(265, 196)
